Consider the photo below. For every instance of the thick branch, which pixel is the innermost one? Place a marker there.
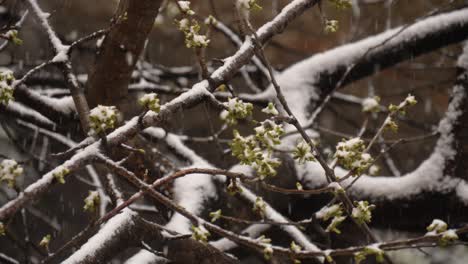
(109, 79)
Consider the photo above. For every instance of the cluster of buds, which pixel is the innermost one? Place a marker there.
(267, 248)
(362, 212)
(199, 233)
(259, 206)
(185, 7)
(266, 165)
(211, 20)
(215, 215)
(59, 174)
(254, 150)
(303, 152)
(370, 250)
(371, 104)
(102, 119)
(269, 133)
(350, 154)
(150, 101)
(6, 86)
(270, 110)
(296, 249)
(389, 123)
(334, 212)
(235, 109)
(9, 171)
(45, 241)
(191, 28)
(341, 4)
(248, 152)
(91, 201)
(12, 35)
(245, 149)
(410, 100)
(331, 26)
(439, 227)
(193, 38)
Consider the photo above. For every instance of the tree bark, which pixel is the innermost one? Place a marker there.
(108, 80)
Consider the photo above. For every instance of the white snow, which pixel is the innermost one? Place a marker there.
(299, 81)
(26, 111)
(144, 257)
(272, 214)
(252, 231)
(429, 176)
(62, 54)
(369, 104)
(191, 191)
(109, 230)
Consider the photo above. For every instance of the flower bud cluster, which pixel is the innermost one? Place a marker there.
(191, 28)
(267, 247)
(102, 118)
(12, 35)
(59, 174)
(368, 251)
(439, 227)
(91, 201)
(200, 234)
(334, 212)
(362, 212)
(350, 154)
(9, 171)
(331, 26)
(303, 152)
(6, 86)
(150, 101)
(235, 109)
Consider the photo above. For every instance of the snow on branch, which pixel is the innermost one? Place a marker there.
(430, 176)
(63, 60)
(199, 92)
(23, 112)
(192, 192)
(111, 230)
(264, 33)
(313, 78)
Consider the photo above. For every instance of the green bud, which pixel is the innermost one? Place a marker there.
(45, 241)
(151, 102)
(215, 215)
(200, 234)
(235, 109)
(102, 119)
(10, 170)
(259, 206)
(303, 152)
(91, 201)
(60, 173)
(331, 26)
(2, 229)
(362, 211)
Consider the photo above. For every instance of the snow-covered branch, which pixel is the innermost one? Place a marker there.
(313, 78)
